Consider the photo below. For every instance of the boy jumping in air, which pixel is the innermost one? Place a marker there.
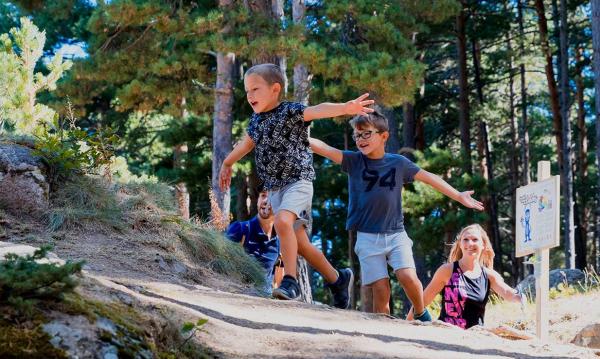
(278, 131)
(375, 181)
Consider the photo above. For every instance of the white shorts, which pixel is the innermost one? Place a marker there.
(376, 250)
(296, 198)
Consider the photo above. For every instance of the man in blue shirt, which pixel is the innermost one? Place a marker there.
(258, 237)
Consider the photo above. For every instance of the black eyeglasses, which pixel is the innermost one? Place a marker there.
(364, 135)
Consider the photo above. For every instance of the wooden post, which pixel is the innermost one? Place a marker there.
(541, 270)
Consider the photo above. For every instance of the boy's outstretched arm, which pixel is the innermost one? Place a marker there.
(321, 148)
(326, 109)
(439, 184)
(240, 150)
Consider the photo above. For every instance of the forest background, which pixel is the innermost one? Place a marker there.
(475, 91)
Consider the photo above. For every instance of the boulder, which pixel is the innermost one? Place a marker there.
(557, 276)
(588, 337)
(23, 184)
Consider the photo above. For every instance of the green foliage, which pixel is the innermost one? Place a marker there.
(26, 280)
(20, 51)
(74, 151)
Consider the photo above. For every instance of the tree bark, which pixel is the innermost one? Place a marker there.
(494, 228)
(581, 210)
(393, 143)
(595, 20)
(408, 126)
(523, 126)
(567, 168)
(549, 69)
(222, 118)
(464, 121)
(182, 195)
(222, 125)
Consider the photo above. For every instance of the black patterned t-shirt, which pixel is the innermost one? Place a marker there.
(282, 151)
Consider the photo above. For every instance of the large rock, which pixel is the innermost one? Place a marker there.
(23, 184)
(557, 276)
(588, 337)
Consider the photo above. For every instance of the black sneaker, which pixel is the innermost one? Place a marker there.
(288, 290)
(341, 288)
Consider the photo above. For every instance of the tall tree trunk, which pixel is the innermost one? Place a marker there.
(180, 151)
(595, 20)
(514, 162)
(582, 211)
(567, 168)
(523, 126)
(464, 121)
(242, 212)
(408, 126)
(494, 228)
(301, 93)
(420, 133)
(222, 118)
(549, 69)
(181, 192)
(477, 69)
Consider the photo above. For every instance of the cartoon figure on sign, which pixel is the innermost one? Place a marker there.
(527, 225)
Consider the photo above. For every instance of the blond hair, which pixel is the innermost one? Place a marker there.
(487, 256)
(271, 73)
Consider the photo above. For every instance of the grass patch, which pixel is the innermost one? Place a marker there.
(26, 340)
(84, 202)
(222, 255)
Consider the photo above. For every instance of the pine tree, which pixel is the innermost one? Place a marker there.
(20, 83)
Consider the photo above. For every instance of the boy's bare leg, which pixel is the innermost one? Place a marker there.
(381, 295)
(412, 287)
(314, 257)
(284, 225)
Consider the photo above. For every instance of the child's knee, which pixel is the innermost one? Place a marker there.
(285, 219)
(408, 276)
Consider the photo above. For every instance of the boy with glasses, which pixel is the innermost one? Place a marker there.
(375, 180)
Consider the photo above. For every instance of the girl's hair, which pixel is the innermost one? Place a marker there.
(487, 256)
(375, 119)
(271, 73)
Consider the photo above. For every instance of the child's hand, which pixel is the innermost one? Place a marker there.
(225, 177)
(358, 106)
(468, 201)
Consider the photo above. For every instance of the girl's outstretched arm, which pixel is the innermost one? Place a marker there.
(501, 288)
(321, 148)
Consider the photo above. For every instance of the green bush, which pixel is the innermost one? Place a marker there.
(24, 280)
(73, 151)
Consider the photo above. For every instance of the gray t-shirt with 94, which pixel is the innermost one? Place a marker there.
(375, 191)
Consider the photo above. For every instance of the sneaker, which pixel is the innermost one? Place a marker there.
(288, 290)
(424, 317)
(341, 288)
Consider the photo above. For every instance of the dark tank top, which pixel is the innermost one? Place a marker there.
(464, 298)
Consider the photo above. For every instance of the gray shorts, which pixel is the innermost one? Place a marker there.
(295, 197)
(376, 250)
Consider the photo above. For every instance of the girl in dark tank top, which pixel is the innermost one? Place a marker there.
(465, 281)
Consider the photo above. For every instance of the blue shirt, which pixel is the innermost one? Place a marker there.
(375, 191)
(257, 244)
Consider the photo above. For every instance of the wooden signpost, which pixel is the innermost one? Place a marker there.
(537, 230)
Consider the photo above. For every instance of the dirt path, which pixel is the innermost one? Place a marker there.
(250, 327)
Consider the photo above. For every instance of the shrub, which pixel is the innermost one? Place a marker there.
(25, 280)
